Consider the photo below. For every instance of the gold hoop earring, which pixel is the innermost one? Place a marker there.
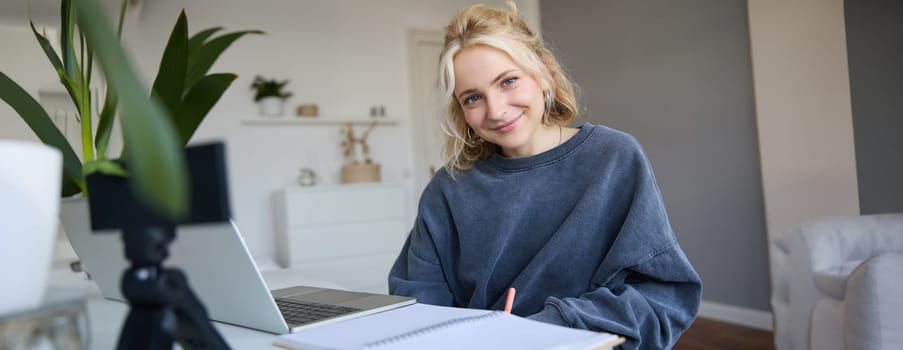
(472, 137)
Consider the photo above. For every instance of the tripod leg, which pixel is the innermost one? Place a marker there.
(195, 330)
(147, 328)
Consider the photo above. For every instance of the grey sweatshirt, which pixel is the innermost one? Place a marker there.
(580, 231)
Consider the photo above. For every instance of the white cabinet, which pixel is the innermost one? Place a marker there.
(347, 234)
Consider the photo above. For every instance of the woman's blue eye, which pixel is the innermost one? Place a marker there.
(509, 81)
(471, 99)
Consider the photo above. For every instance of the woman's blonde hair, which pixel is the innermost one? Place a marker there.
(507, 31)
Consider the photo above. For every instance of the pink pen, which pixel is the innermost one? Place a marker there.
(509, 302)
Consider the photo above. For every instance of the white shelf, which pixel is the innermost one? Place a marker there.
(319, 120)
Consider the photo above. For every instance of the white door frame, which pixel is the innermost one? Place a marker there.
(424, 103)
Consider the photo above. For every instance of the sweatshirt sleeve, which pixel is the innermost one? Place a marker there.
(645, 288)
(417, 271)
(648, 307)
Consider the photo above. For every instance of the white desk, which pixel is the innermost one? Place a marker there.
(106, 316)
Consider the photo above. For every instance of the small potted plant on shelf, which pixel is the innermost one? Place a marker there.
(270, 95)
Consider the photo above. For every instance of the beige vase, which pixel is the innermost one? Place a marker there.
(360, 173)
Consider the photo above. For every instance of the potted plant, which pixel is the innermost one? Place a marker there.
(270, 95)
(154, 130)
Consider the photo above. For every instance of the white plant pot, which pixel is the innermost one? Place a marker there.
(29, 215)
(74, 217)
(271, 106)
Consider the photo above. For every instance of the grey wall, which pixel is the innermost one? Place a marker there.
(875, 55)
(677, 75)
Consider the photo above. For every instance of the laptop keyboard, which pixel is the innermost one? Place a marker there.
(298, 312)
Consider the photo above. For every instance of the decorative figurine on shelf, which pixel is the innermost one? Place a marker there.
(358, 165)
(270, 96)
(378, 111)
(307, 177)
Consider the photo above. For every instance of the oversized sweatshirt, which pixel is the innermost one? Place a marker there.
(580, 231)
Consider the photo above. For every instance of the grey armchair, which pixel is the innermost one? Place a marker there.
(837, 283)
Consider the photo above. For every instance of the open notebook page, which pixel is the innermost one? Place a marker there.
(422, 326)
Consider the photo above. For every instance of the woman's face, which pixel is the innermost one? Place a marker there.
(501, 101)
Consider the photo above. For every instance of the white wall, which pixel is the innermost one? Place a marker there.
(804, 115)
(343, 55)
(32, 74)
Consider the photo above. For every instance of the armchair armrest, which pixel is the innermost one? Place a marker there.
(836, 246)
(873, 306)
(833, 282)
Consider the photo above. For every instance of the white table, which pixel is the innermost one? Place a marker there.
(106, 316)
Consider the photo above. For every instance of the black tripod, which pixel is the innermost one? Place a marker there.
(163, 307)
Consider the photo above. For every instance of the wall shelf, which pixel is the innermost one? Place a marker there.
(294, 120)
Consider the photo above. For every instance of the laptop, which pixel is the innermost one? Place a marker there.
(214, 257)
(222, 273)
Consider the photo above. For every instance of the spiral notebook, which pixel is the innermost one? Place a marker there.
(422, 326)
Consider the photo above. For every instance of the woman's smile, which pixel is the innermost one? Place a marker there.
(509, 126)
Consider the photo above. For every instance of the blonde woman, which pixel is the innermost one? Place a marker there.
(570, 217)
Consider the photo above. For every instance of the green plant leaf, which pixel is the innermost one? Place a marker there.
(200, 61)
(74, 92)
(105, 123)
(106, 166)
(170, 81)
(37, 119)
(199, 38)
(86, 125)
(110, 101)
(71, 87)
(122, 7)
(84, 80)
(67, 30)
(155, 160)
(48, 49)
(89, 67)
(73, 77)
(198, 102)
(269, 88)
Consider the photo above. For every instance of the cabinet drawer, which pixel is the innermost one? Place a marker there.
(342, 204)
(338, 241)
(347, 234)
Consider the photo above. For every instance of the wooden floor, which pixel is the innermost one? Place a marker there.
(707, 334)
